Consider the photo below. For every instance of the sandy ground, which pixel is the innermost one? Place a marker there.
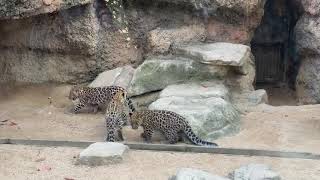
(30, 162)
(27, 113)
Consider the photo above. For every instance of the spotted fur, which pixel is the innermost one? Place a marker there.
(116, 116)
(171, 124)
(95, 97)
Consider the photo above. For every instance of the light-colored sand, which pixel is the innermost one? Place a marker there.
(22, 162)
(290, 128)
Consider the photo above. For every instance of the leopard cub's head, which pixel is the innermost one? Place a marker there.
(76, 92)
(135, 119)
(119, 96)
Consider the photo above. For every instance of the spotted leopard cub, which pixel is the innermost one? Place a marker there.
(116, 116)
(171, 124)
(94, 97)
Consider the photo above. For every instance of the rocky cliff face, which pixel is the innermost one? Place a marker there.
(307, 33)
(72, 41)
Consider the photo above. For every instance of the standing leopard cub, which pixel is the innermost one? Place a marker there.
(95, 97)
(171, 124)
(116, 116)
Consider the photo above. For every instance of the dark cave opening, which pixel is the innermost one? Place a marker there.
(274, 48)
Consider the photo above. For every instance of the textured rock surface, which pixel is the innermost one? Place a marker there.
(225, 54)
(67, 46)
(118, 77)
(195, 174)
(258, 97)
(157, 73)
(210, 116)
(20, 9)
(255, 172)
(103, 153)
(160, 40)
(197, 90)
(73, 41)
(308, 47)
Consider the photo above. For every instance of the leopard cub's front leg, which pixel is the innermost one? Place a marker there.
(147, 134)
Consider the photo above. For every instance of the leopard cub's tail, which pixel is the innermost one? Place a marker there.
(195, 139)
(130, 105)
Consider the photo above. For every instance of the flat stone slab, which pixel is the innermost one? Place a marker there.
(195, 174)
(103, 153)
(120, 76)
(255, 172)
(222, 54)
(197, 90)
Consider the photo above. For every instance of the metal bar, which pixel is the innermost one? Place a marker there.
(168, 147)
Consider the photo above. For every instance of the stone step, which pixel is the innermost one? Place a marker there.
(217, 54)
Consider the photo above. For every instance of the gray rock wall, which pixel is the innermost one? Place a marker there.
(307, 33)
(73, 41)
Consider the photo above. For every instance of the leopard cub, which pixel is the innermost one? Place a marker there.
(116, 116)
(95, 97)
(171, 124)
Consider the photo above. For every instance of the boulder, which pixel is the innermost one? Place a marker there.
(254, 172)
(103, 153)
(117, 77)
(210, 116)
(157, 73)
(195, 174)
(307, 33)
(259, 96)
(222, 54)
(307, 83)
(160, 39)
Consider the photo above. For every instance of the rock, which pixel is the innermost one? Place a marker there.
(258, 97)
(15, 9)
(307, 83)
(307, 33)
(255, 172)
(311, 6)
(68, 47)
(223, 54)
(308, 47)
(195, 174)
(103, 153)
(197, 90)
(144, 100)
(209, 117)
(118, 77)
(160, 40)
(157, 73)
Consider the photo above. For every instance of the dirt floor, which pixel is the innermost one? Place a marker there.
(40, 112)
(30, 162)
(28, 114)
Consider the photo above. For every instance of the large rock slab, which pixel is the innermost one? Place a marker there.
(116, 77)
(195, 174)
(197, 90)
(14, 9)
(224, 54)
(307, 33)
(157, 73)
(255, 172)
(210, 117)
(103, 153)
